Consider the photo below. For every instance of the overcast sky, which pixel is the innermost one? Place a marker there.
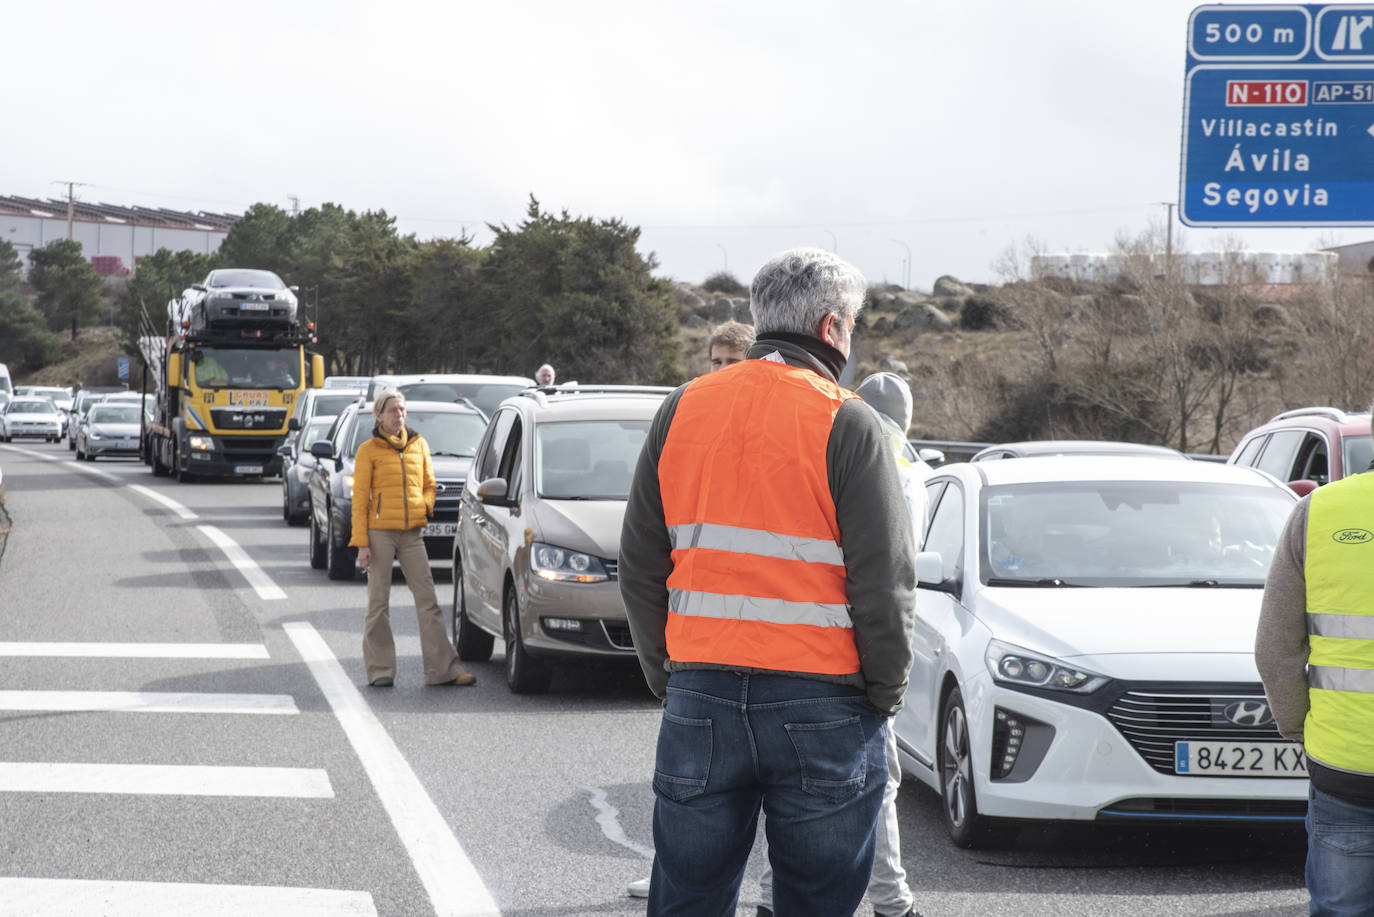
(727, 131)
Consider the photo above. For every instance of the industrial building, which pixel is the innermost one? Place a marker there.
(114, 238)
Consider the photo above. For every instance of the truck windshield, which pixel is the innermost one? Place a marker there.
(219, 367)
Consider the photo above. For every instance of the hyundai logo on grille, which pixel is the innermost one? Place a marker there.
(1250, 713)
(439, 488)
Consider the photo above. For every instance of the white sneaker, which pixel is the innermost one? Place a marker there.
(639, 888)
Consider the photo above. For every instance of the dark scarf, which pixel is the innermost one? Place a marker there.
(828, 359)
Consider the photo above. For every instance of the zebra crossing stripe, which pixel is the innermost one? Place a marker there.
(81, 897)
(138, 650)
(163, 780)
(147, 702)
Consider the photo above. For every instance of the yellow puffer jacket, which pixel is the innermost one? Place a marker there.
(392, 490)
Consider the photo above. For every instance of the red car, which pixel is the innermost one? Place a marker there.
(1316, 444)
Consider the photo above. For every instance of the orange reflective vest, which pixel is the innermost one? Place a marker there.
(758, 575)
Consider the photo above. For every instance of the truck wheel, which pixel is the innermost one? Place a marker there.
(155, 459)
(317, 558)
(339, 560)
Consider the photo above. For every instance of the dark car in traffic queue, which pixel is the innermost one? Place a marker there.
(452, 431)
(296, 465)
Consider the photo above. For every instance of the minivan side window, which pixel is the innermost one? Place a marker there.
(1252, 448)
(490, 459)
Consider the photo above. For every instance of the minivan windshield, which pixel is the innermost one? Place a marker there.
(246, 278)
(1130, 533)
(587, 459)
(445, 432)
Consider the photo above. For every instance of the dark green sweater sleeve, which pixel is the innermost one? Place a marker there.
(646, 555)
(879, 550)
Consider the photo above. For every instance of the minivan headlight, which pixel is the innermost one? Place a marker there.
(1017, 667)
(562, 565)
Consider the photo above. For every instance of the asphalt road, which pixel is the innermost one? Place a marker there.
(185, 723)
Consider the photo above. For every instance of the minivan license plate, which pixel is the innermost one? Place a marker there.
(440, 528)
(1239, 759)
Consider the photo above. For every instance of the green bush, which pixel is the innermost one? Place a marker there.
(725, 282)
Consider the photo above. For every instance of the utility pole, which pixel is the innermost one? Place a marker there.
(71, 201)
(295, 205)
(1169, 240)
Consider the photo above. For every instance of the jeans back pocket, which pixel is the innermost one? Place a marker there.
(832, 757)
(682, 763)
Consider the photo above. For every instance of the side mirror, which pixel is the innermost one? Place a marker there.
(931, 457)
(293, 424)
(284, 451)
(198, 286)
(1302, 488)
(324, 449)
(930, 573)
(493, 492)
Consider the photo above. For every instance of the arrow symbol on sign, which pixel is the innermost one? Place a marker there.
(1370, 130)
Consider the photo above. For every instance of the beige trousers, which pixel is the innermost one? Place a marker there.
(379, 647)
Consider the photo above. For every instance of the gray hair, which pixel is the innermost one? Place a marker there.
(383, 398)
(795, 290)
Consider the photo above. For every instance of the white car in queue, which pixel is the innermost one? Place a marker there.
(1083, 647)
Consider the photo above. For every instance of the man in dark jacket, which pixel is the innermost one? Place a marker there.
(767, 568)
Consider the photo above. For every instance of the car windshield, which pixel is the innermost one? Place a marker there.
(587, 459)
(1359, 453)
(114, 413)
(446, 433)
(331, 404)
(486, 395)
(1133, 533)
(32, 407)
(263, 279)
(233, 368)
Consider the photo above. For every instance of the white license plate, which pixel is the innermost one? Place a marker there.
(1239, 759)
(440, 528)
(254, 307)
(247, 469)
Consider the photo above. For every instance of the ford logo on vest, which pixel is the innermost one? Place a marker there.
(1248, 713)
(1352, 536)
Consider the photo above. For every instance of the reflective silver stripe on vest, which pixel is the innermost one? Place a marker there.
(738, 540)
(1335, 678)
(754, 608)
(1358, 627)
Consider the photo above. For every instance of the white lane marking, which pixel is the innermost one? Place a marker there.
(78, 897)
(138, 650)
(451, 881)
(165, 500)
(147, 702)
(94, 472)
(608, 817)
(262, 583)
(163, 779)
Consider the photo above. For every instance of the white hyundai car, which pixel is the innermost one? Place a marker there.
(1084, 643)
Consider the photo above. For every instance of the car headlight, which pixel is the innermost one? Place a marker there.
(565, 566)
(1017, 667)
(348, 483)
(201, 443)
(92, 433)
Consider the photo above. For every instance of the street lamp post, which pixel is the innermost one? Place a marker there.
(906, 265)
(725, 257)
(834, 242)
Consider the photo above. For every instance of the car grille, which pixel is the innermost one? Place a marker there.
(265, 419)
(618, 633)
(1153, 720)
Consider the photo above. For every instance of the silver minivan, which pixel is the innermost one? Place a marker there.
(535, 558)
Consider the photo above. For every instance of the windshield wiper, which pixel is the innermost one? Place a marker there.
(1050, 581)
(1203, 584)
(456, 454)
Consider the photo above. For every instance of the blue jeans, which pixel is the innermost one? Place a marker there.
(810, 753)
(1340, 856)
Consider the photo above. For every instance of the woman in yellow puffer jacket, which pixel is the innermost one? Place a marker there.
(393, 498)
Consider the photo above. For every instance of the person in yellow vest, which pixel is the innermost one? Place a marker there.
(767, 566)
(1314, 648)
(393, 498)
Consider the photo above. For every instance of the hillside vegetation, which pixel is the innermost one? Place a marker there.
(1143, 357)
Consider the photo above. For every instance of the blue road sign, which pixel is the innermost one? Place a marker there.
(122, 365)
(1278, 116)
